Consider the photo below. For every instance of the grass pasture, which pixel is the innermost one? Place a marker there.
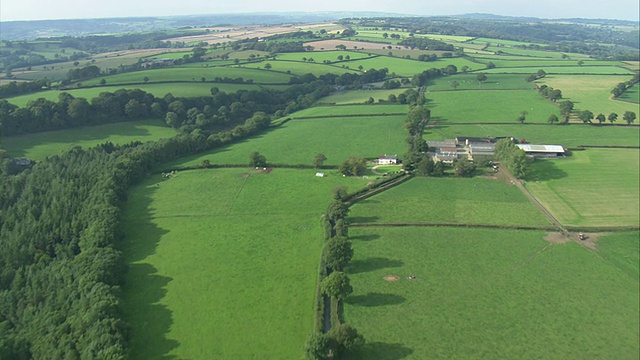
(298, 141)
(569, 70)
(500, 62)
(490, 294)
(470, 82)
(490, 106)
(595, 187)
(591, 92)
(408, 67)
(300, 68)
(321, 57)
(40, 145)
(360, 96)
(446, 200)
(229, 271)
(328, 111)
(632, 94)
(566, 135)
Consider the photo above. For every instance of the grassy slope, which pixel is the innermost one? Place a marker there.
(632, 94)
(360, 96)
(40, 145)
(463, 106)
(229, 271)
(587, 70)
(470, 82)
(298, 141)
(490, 294)
(566, 135)
(407, 67)
(351, 110)
(461, 201)
(595, 187)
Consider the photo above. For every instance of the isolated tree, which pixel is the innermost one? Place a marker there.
(257, 160)
(340, 57)
(454, 84)
(103, 82)
(552, 119)
(612, 117)
(629, 117)
(586, 116)
(464, 69)
(601, 118)
(523, 116)
(145, 79)
(319, 160)
(541, 73)
(337, 253)
(482, 77)
(580, 62)
(336, 285)
(267, 66)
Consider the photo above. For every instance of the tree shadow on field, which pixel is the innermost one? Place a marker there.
(371, 264)
(362, 219)
(545, 170)
(149, 320)
(383, 351)
(374, 299)
(367, 237)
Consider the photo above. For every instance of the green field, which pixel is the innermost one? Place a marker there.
(534, 53)
(230, 270)
(300, 68)
(565, 135)
(631, 94)
(298, 141)
(446, 38)
(359, 96)
(408, 67)
(322, 56)
(492, 294)
(500, 62)
(192, 74)
(159, 90)
(40, 145)
(576, 70)
(595, 187)
(445, 200)
(492, 106)
(591, 92)
(327, 111)
(470, 82)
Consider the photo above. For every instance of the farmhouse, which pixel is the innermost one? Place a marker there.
(548, 151)
(387, 159)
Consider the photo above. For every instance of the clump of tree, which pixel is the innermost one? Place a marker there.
(337, 251)
(417, 118)
(428, 167)
(353, 166)
(336, 285)
(464, 167)
(565, 110)
(338, 343)
(550, 93)
(512, 158)
(623, 86)
(538, 75)
(629, 117)
(257, 160)
(585, 116)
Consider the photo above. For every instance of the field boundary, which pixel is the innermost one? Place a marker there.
(447, 224)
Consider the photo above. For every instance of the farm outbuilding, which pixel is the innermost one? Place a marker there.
(542, 150)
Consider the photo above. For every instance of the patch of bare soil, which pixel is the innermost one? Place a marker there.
(557, 238)
(391, 278)
(588, 240)
(246, 175)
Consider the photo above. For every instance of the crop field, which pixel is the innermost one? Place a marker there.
(298, 141)
(631, 94)
(470, 82)
(475, 106)
(492, 294)
(300, 68)
(193, 74)
(208, 273)
(454, 201)
(591, 92)
(573, 135)
(40, 145)
(320, 57)
(606, 193)
(159, 90)
(359, 96)
(407, 67)
(576, 70)
(328, 111)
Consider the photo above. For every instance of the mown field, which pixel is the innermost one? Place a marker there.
(364, 110)
(591, 92)
(632, 94)
(470, 82)
(595, 187)
(298, 141)
(408, 67)
(37, 146)
(229, 271)
(492, 294)
(359, 96)
(495, 106)
(450, 200)
(577, 70)
(566, 135)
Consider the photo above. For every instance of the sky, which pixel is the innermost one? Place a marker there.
(77, 9)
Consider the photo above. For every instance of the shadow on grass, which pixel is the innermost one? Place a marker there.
(144, 289)
(375, 299)
(371, 264)
(544, 170)
(368, 237)
(363, 219)
(383, 351)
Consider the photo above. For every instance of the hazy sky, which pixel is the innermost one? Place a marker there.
(73, 9)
